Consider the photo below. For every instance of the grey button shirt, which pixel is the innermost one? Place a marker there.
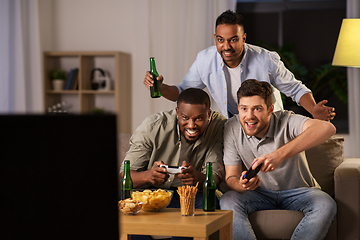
(240, 148)
(158, 139)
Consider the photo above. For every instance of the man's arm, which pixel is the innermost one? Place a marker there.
(285, 81)
(169, 92)
(319, 110)
(234, 179)
(314, 132)
(190, 176)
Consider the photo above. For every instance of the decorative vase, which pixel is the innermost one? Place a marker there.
(58, 84)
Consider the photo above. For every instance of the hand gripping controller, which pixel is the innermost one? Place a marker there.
(172, 169)
(252, 172)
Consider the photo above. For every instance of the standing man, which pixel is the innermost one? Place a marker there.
(188, 136)
(277, 140)
(222, 69)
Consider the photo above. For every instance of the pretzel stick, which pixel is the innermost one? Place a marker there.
(187, 195)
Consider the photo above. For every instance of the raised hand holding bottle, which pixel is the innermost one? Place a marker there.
(155, 88)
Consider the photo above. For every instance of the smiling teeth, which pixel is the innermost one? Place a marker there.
(191, 131)
(251, 123)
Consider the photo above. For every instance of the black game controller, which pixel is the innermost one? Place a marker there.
(252, 172)
(172, 169)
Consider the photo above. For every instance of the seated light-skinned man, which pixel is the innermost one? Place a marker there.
(189, 136)
(277, 140)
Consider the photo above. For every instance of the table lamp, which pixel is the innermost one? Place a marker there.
(347, 52)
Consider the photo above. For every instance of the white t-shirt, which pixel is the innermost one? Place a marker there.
(233, 83)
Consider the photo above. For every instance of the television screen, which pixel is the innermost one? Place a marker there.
(58, 177)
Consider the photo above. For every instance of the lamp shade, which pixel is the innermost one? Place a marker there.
(347, 52)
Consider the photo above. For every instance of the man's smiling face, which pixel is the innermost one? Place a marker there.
(230, 40)
(193, 120)
(254, 115)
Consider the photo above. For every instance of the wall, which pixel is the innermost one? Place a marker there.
(100, 25)
(172, 31)
(67, 25)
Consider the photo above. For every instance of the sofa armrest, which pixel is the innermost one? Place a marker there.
(347, 197)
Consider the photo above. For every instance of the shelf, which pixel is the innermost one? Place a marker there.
(85, 100)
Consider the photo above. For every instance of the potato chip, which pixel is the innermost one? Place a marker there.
(153, 200)
(129, 206)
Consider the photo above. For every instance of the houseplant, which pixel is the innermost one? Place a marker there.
(58, 77)
(322, 77)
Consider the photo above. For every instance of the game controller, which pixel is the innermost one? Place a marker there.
(172, 169)
(252, 172)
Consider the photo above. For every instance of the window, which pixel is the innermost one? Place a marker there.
(311, 29)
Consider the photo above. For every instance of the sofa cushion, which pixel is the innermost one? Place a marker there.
(324, 159)
(275, 224)
(123, 146)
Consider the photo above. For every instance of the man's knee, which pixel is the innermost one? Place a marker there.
(329, 206)
(228, 200)
(325, 205)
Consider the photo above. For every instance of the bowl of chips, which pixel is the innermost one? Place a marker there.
(129, 206)
(153, 200)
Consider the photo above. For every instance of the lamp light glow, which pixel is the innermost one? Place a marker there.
(347, 52)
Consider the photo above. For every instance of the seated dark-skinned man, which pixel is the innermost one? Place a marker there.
(189, 135)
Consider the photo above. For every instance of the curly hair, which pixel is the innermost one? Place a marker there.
(194, 96)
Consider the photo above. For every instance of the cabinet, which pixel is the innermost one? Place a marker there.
(84, 100)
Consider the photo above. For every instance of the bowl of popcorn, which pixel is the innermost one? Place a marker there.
(153, 200)
(129, 206)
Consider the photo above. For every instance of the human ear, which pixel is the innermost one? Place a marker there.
(271, 109)
(177, 112)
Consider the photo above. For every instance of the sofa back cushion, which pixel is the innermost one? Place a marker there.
(323, 159)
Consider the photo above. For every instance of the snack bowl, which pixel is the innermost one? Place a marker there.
(153, 200)
(129, 206)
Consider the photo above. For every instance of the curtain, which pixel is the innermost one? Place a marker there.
(173, 32)
(20, 79)
(353, 11)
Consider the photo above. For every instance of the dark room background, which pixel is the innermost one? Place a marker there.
(304, 33)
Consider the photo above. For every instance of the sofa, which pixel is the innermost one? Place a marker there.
(337, 176)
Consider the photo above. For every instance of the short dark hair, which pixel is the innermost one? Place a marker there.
(230, 18)
(252, 87)
(194, 96)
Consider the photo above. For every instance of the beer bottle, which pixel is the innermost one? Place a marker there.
(155, 88)
(126, 182)
(209, 187)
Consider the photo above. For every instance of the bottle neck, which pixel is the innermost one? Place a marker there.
(153, 66)
(209, 171)
(127, 169)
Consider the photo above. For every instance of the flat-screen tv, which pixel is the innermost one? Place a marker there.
(58, 177)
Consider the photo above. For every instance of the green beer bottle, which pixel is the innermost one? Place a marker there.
(155, 88)
(126, 182)
(209, 187)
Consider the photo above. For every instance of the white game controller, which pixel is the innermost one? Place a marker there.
(172, 169)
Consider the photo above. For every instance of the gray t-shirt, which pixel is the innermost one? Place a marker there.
(240, 148)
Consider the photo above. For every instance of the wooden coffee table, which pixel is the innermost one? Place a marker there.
(169, 222)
